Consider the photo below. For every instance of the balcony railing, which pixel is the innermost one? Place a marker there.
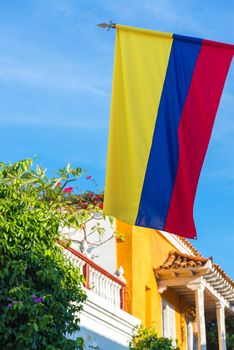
(100, 281)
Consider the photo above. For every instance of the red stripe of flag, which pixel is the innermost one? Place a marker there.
(195, 129)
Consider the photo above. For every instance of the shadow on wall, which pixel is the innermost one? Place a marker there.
(96, 341)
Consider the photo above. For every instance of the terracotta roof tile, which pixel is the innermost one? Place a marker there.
(178, 260)
(197, 253)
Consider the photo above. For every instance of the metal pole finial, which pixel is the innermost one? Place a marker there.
(108, 26)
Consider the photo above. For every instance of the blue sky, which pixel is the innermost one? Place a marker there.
(55, 89)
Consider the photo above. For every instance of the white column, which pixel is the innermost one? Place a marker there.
(189, 335)
(200, 314)
(220, 312)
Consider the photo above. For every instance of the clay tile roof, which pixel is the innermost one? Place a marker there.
(197, 253)
(178, 260)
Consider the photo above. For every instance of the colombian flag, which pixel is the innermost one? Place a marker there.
(166, 92)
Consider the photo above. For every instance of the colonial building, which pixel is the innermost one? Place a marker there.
(171, 286)
(151, 277)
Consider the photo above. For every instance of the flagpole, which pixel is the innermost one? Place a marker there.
(109, 26)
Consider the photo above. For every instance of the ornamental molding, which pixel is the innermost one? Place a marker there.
(177, 243)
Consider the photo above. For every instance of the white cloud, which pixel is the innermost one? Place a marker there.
(55, 74)
(43, 121)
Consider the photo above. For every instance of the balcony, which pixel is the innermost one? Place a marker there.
(97, 279)
(104, 324)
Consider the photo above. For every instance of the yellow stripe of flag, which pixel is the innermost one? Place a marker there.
(140, 66)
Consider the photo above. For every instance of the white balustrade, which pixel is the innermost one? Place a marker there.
(78, 262)
(98, 280)
(104, 286)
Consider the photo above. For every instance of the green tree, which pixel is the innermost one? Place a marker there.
(41, 292)
(212, 334)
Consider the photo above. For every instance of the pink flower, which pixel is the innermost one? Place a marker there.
(58, 184)
(84, 205)
(88, 177)
(101, 205)
(68, 190)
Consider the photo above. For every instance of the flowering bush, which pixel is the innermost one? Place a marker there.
(146, 338)
(41, 291)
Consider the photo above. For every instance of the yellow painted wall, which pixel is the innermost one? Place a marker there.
(141, 251)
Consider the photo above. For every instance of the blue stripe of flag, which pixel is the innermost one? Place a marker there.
(164, 154)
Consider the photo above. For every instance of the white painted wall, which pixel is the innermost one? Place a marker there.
(105, 326)
(104, 254)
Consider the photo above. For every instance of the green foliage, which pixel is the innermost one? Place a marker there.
(41, 291)
(146, 338)
(212, 334)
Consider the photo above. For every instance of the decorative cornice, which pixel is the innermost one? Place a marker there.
(180, 243)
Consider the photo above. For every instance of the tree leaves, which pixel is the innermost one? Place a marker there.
(147, 338)
(41, 291)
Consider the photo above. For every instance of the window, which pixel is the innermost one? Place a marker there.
(169, 321)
